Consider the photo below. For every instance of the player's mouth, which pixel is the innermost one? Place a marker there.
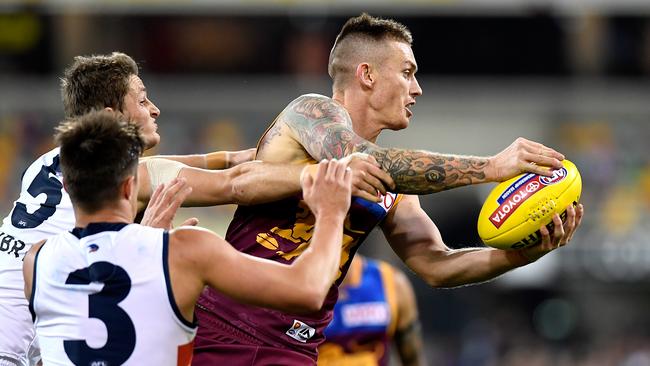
(409, 114)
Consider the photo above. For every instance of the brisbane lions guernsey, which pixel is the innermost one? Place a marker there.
(281, 231)
(365, 317)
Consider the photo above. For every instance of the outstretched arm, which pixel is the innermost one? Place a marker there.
(199, 257)
(253, 182)
(214, 160)
(417, 241)
(249, 183)
(324, 129)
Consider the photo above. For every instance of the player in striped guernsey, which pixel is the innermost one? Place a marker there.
(111, 292)
(373, 69)
(376, 308)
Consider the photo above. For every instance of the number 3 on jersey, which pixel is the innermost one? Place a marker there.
(120, 340)
(42, 183)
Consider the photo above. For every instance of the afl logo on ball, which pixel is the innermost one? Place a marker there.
(558, 176)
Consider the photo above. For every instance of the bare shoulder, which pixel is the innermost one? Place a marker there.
(320, 126)
(310, 97)
(315, 108)
(298, 127)
(194, 248)
(192, 235)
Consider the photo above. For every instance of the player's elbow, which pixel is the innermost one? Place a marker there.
(435, 278)
(308, 293)
(309, 301)
(436, 269)
(435, 281)
(445, 279)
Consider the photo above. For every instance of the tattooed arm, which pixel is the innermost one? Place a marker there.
(324, 129)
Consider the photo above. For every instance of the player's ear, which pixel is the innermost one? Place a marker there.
(109, 109)
(364, 75)
(129, 187)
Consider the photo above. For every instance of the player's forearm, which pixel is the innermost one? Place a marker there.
(465, 266)
(423, 172)
(257, 182)
(221, 159)
(213, 161)
(246, 184)
(194, 160)
(317, 267)
(228, 159)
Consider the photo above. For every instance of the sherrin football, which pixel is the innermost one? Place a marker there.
(516, 209)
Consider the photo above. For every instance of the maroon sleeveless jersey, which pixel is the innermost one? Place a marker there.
(281, 231)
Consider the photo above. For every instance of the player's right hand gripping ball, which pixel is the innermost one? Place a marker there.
(515, 209)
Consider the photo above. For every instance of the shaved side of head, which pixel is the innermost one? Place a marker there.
(362, 39)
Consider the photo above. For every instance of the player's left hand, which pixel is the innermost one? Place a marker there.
(561, 235)
(164, 204)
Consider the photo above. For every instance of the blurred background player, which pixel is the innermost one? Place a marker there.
(139, 284)
(44, 209)
(376, 311)
(374, 85)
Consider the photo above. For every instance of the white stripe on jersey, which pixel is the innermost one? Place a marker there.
(105, 298)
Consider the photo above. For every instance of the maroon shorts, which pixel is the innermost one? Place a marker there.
(243, 355)
(218, 343)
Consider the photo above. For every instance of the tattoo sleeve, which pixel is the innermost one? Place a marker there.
(324, 128)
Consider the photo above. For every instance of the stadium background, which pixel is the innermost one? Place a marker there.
(572, 74)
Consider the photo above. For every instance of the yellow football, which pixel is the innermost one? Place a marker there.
(516, 209)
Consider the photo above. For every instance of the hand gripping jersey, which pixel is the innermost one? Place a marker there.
(281, 231)
(365, 317)
(42, 210)
(102, 296)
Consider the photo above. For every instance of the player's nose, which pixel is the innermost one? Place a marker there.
(416, 90)
(154, 111)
